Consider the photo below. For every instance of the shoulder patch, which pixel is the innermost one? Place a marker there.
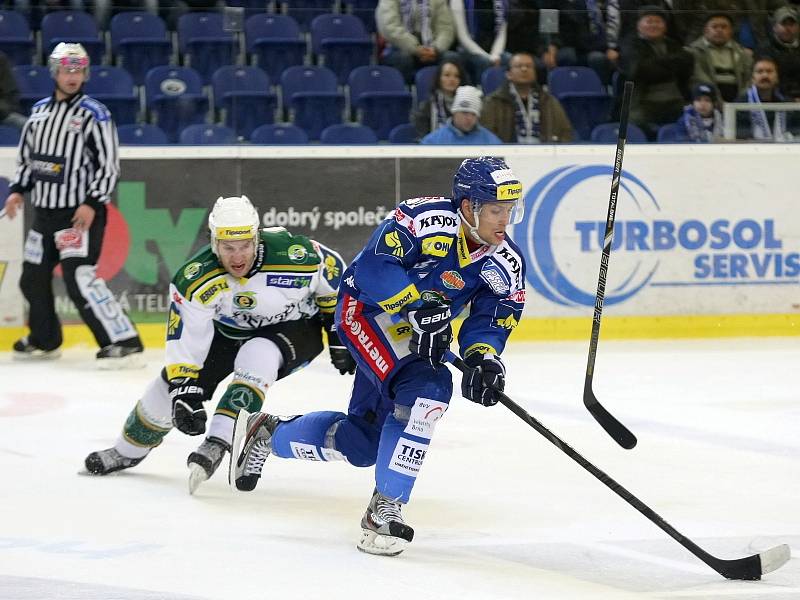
(196, 269)
(40, 102)
(98, 109)
(283, 248)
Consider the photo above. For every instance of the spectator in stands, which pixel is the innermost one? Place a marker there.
(660, 68)
(418, 33)
(435, 111)
(764, 124)
(621, 17)
(521, 111)
(581, 37)
(463, 127)
(719, 59)
(701, 122)
(784, 47)
(481, 34)
(9, 96)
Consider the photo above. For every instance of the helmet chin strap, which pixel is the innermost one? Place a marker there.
(473, 229)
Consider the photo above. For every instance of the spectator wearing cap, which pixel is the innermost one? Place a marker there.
(660, 68)
(784, 46)
(621, 17)
(463, 127)
(520, 111)
(750, 18)
(719, 59)
(701, 122)
(762, 123)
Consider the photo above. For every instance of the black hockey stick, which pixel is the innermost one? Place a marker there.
(615, 429)
(750, 567)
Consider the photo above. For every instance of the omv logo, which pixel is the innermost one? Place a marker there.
(571, 203)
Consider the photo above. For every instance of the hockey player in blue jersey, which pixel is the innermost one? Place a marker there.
(423, 265)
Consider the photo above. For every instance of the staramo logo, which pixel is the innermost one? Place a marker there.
(562, 239)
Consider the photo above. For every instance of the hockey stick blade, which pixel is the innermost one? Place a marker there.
(613, 427)
(748, 568)
(621, 434)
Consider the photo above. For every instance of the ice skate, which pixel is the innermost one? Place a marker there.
(117, 357)
(109, 460)
(204, 461)
(383, 530)
(24, 350)
(252, 444)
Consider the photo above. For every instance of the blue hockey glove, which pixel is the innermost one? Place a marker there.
(431, 332)
(188, 414)
(487, 373)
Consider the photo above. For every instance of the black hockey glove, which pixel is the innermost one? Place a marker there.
(431, 332)
(188, 414)
(341, 358)
(486, 374)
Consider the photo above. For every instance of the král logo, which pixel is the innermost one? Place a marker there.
(563, 231)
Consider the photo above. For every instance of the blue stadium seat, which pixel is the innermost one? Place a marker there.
(379, 96)
(491, 79)
(364, 10)
(139, 41)
(113, 86)
(348, 133)
(243, 94)
(405, 133)
(341, 43)
(141, 135)
(584, 98)
(279, 133)
(274, 43)
(34, 83)
(305, 11)
(73, 26)
(607, 133)
(16, 41)
(9, 136)
(204, 43)
(671, 133)
(312, 98)
(424, 83)
(174, 98)
(201, 134)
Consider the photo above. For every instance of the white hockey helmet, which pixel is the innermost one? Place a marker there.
(233, 218)
(70, 56)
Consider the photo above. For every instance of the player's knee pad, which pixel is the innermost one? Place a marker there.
(417, 380)
(85, 288)
(151, 418)
(355, 439)
(254, 370)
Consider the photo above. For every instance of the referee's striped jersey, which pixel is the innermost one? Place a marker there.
(68, 153)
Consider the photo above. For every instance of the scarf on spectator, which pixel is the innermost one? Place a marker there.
(440, 110)
(527, 116)
(702, 129)
(500, 14)
(760, 123)
(406, 10)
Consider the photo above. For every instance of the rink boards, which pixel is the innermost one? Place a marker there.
(706, 243)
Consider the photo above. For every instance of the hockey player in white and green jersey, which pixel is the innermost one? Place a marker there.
(254, 304)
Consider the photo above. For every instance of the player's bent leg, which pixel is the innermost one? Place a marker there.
(144, 429)
(255, 370)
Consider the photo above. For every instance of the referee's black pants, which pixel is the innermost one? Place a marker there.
(97, 307)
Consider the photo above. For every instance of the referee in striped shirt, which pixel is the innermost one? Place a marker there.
(68, 161)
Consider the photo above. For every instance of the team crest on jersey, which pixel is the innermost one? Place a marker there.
(245, 300)
(332, 269)
(192, 270)
(174, 323)
(297, 253)
(495, 278)
(453, 280)
(394, 243)
(507, 315)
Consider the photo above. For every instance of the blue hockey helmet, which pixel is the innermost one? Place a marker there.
(488, 179)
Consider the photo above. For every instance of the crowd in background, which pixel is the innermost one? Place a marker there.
(686, 59)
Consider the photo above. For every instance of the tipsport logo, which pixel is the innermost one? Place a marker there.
(561, 237)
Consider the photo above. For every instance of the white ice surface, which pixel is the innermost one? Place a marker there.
(499, 512)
